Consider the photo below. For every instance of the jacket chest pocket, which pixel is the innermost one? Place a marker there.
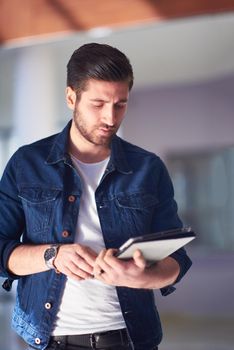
(38, 205)
(137, 211)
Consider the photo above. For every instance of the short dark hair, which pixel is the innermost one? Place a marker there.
(100, 62)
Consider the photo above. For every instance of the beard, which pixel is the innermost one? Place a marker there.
(93, 134)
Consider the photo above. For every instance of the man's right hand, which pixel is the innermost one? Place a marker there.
(75, 261)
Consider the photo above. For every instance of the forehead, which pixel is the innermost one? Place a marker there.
(99, 88)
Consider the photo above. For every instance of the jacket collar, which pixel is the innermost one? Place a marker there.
(118, 158)
(58, 152)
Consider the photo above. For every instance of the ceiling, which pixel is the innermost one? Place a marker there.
(187, 50)
(20, 19)
(168, 51)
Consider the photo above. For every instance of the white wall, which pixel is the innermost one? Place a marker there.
(180, 118)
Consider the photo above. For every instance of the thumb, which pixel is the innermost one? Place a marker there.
(139, 259)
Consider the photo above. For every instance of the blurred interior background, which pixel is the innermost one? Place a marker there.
(181, 107)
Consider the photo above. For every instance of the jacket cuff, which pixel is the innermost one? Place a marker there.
(185, 263)
(6, 249)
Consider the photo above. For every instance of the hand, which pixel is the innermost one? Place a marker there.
(117, 272)
(75, 261)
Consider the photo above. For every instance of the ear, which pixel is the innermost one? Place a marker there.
(70, 98)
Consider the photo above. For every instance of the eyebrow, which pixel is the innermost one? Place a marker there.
(101, 100)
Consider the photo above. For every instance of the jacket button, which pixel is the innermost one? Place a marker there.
(48, 306)
(37, 341)
(65, 234)
(71, 198)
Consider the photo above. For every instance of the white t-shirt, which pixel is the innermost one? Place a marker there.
(88, 306)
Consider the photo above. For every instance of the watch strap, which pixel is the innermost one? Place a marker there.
(50, 255)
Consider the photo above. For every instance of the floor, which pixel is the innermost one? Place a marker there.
(180, 333)
(189, 333)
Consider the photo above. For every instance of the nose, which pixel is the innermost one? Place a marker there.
(109, 116)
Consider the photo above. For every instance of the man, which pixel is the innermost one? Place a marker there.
(68, 202)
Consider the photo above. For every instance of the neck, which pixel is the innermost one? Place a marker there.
(85, 150)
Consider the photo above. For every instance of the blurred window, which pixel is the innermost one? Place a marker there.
(5, 145)
(204, 190)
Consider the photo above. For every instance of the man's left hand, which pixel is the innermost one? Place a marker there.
(135, 272)
(111, 270)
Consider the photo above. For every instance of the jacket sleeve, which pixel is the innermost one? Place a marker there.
(166, 218)
(12, 221)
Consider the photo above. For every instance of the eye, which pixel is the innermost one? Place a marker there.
(120, 105)
(97, 105)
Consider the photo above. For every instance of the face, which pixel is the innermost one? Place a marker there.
(99, 110)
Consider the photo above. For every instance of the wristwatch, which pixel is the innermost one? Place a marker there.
(50, 255)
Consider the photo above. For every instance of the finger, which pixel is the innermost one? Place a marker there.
(139, 259)
(74, 265)
(107, 263)
(111, 252)
(72, 275)
(112, 261)
(98, 266)
(82, 264)
(72, 252)
(87, 254)
(76, 270)
(103, 262)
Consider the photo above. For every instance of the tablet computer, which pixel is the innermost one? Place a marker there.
(156, 246)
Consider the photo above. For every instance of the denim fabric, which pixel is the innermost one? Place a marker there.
(67, 347)
(40, 194)
(118, 347)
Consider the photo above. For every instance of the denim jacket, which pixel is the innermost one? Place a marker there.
(40, 194)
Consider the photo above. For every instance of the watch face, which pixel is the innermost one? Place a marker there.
(50, 253)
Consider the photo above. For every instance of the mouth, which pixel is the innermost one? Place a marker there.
(106, 131)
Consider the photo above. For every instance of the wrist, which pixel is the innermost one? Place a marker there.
(50, 255)
(162, 273)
